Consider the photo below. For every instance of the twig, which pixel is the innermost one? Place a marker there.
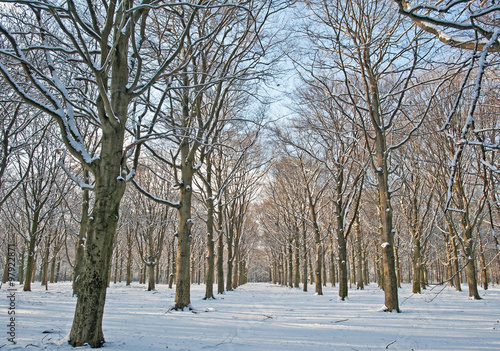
(389, 344)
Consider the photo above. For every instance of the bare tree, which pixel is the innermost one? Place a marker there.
(42, 194)
(474, 27)
(16, 137)
(369, 69)
(194, 100)
(89, 62)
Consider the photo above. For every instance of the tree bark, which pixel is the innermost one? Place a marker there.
(482, 262)
(30, 261)
(210, 257)
(342, 263)
(109, 188)
(359, 255)
(417, 264)
(305, 258)
(80, 244)
(296, 268)
(128, 273)
(229, 273)
(93, 278)
(390, 283)
(183, 261)
(220, 251)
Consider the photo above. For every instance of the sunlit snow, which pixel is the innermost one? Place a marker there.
(261, 316)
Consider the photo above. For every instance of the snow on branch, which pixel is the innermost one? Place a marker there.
(154, 198)
(65, 117)
(477, 16)
(80, 182)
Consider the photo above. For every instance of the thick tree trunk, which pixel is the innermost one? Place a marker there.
(366, 271)
(352, 263)
(210, 257)
(5, 276)
(30, 264)
(482, 262)
(93, 277)
(129, 264)
(20, 273)
(151, 277)
(220, 264)
(236, 262)
(45, 265)
(52, 275)
(183, 262)
(390, 283)
(471, 265)
(58, 271)
(417, 264)
(318, 267)
(332, 262)
(342, 263)
(80, 245)
(323, 266)
(109, 188)
(220, 253)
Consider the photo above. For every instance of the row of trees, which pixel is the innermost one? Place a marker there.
(132, 129)
(374, 84)
(138, 87)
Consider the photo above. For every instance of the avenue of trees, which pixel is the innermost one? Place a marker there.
(157, 142)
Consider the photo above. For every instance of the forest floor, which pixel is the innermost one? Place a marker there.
(261, 316)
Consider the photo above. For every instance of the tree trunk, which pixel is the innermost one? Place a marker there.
(80, 244)
(323, 266)
(58, 271)
(210, 258)
(5, 276)
(20, 274)
(352, 264)
(220, 253)
(366, 271)
(151, 277)
(236, 262)
(455, 268)
(183, 262)
(229, 273)
(115, 273)
(290, 264)
(305, 258)
(45, 265)
(332, 262)
(390, 282)
(108, 190)
(482, 262)
(52, 276)
(120, 277)
(342, 263)
(93, 277)
(311, 270)
(30, 264)
(471, 265)
(416, 262)
(359, 255)
(129, 266)
(296, 268)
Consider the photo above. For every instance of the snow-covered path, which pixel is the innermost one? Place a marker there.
(265, 317)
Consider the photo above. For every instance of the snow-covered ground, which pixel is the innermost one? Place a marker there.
(262, 317)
